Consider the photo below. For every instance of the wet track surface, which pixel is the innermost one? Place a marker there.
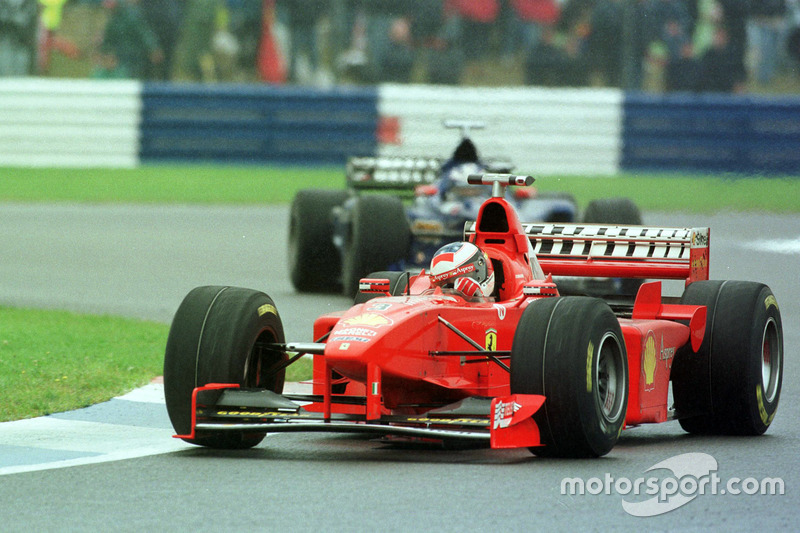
(126, 473)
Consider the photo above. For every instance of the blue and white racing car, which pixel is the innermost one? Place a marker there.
(397, 211)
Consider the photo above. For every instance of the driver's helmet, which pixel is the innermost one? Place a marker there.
(465, 161)
(454, 186)
(464, 267)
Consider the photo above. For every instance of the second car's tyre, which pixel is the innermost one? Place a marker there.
(571, 350)
(616, 211)
(732, 385)
(563, 213)
(314, 261)
(621, 211)
(379, 236)
(398, 284)
(218, 335)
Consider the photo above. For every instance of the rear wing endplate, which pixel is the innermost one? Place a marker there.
(599, 250)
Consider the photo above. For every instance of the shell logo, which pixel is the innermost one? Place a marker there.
(367, 319)
(649, 361)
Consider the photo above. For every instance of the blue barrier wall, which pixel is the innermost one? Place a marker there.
(256, 124)
(711, 133)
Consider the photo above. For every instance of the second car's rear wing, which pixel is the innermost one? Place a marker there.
(599, 250)
(387, 172)
(391, 172)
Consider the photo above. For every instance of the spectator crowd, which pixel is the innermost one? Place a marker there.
(670, 45)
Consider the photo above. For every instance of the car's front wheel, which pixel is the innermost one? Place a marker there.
(314, 261)
(221, 335)
(571, 351)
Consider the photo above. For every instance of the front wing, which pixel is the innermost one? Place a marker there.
(497, 422)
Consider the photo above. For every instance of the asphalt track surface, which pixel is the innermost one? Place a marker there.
(114, 467)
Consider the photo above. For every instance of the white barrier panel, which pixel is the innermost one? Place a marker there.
(69, 123)
(542, 131)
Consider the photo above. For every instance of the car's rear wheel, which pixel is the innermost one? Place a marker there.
(732, 385)
(615, 211)
(379, 236)
(219, 335)
(314, 261)
(622, 211)
(571, 350)
(563, 213)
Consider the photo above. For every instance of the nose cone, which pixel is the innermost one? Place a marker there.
(360, 333)
(390, 332)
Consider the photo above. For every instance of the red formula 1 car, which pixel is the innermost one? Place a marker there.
(519, 366)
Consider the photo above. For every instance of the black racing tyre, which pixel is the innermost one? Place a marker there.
(217, 336)
(379, 236)
(622, 211)
(398, 285)
(314, 261)
(616, 211)
(691, 373)
(559, 216)
(732, 385)
(571, 350)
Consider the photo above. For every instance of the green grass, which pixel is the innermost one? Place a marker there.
(54, 361)
(165, 184)
(172, 184)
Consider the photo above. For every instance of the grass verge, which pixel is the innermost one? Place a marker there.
(197, 184)
(165, 184)
(54, 361)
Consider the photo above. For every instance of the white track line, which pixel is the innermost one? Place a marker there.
(95, 442)
(91, 442)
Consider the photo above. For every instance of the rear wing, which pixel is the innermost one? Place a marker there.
(403, 173)
(392, 172)
(600, 250)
